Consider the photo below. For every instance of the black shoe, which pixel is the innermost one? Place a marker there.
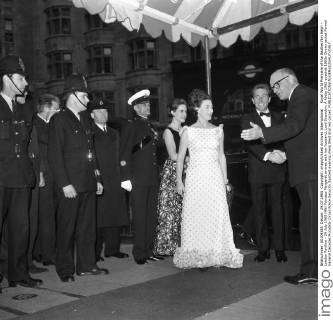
(93, 272)
(280, 256)
(30, 282)
(155, 258)
(119, 255)
(67, 278)
(48, 263)
(262, 256)
(244, 235)
(203, 269)
(34, 269)
(300, 278)
(141, 261)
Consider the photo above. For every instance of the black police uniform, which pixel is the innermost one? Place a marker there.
(111, 205)
(72, 161)
(139, 165)
(16, 180)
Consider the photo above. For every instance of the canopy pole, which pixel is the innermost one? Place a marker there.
(208, 67)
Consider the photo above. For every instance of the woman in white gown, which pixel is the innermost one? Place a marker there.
(206, 232)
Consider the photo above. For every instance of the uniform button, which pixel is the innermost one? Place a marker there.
(154, 154)
(16, 133)
(17, 156)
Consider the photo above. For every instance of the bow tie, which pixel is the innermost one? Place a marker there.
(267, 114)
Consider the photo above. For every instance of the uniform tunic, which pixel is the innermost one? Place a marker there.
(139, 164)
(72, 161)
(16, 179)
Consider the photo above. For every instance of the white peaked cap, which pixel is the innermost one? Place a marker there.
(138, 97)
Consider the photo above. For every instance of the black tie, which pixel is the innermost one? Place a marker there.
(267, 114)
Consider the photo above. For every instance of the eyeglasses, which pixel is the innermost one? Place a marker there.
(276, 84)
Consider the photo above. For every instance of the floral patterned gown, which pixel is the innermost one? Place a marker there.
(169, 207)
(206, 232)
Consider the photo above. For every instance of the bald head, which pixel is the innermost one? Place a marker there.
(282, 82)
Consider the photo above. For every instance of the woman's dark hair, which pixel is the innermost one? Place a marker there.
(196, 97)
(176, 103)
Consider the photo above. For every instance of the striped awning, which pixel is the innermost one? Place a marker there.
(220, 20)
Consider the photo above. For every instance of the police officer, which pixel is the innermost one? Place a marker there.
(16, 172)
(140, 175)
(73, 164)
(111, 205)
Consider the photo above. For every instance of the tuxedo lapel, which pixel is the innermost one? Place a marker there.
(274, 120)
(257, 119)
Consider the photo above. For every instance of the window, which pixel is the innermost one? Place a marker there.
(197, 53)
(94, 22)
(292, 38)
(60, 64)
(8, 24)
(58, 20)
(105, 95)
(100, 59)
(310, 37)
(8, 11)
(154, 105)
(143, 54)
(9, 37)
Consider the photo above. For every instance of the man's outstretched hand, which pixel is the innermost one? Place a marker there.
(252, 134)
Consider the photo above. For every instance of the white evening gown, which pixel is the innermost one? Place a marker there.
(206, 232)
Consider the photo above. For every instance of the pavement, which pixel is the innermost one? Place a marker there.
(158, 290)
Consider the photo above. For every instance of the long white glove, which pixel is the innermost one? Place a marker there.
(127, 185)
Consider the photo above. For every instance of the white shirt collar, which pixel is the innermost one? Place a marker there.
(291, 92)
(43, 118)
(267, 110)
(8, 100)
(102, 127)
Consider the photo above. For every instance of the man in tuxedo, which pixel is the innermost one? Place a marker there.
(111, 208)
(72, 160)
(16, 172)
(266, 177)
(139, 174)
(299, 133)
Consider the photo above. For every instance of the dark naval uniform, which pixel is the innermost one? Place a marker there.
(16, 180)
(139, 165)
(111, 205)
(72, 161)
